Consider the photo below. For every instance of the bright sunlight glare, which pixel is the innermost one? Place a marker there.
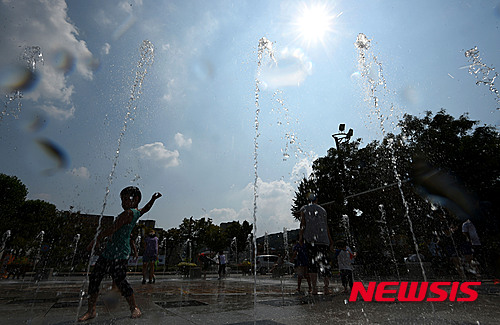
(314, 22)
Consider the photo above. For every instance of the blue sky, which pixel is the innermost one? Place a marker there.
(193, 131)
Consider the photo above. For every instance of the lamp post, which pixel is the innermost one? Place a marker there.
(343, 138)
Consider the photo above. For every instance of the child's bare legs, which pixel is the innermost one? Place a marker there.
(91, 308)
(94, 284)
(326, 281)
(134, 310)
(308, 278)
(144, 272)
(300, 276)
(314, 279)
(151, 271)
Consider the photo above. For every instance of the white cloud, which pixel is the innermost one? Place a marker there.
(165, 47)
(57, 112)
(223, 215)
(182, 142)
(291, 69)
(45, 24)
(158, 153)
(105, 48)
(273, 207)
(81, 172)
(171, 89)
(43, 196)
(274, 201)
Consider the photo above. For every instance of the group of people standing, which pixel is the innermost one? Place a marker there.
(461, 251)
(206, 261)
(313, 250)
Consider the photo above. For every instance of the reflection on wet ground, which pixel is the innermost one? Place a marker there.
(230, 301)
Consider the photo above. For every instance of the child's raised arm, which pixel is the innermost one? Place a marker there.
(149, 205)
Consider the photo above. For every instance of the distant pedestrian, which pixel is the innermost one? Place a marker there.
(451, 243)
(222, 265)
(277, 267)
(205, 263)
(150, 257)
(301, 261)
(344, 258)
(314, 231)
(114, 259)
(470, 233)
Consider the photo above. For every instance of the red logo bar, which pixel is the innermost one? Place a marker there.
(414, 291)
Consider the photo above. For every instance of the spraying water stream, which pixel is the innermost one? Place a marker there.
(265, 47)
(485, 75)
(5, 237)
(366, 61)
(385, 229)
(76, 240)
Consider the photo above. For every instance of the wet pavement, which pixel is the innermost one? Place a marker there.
(173, 300)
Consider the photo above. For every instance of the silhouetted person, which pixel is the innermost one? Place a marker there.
(315, 233)
(344, 258)
(301, 261)
(114, 259)
(470, 233)
(150, 257)
(222, 264)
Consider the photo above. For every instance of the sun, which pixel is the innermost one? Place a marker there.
(314, 23)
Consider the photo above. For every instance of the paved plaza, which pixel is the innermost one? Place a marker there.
(174, 300)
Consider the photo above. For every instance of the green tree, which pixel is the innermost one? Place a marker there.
(12, 196)
(387, 185)
(215, 238)
(240, 232)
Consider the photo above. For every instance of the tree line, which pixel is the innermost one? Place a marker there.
(38, 232)
(436, 173)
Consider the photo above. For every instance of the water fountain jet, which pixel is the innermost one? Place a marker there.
(265, 46)
(386, 230)
(76, 239)
(485, 75)
(5, 237)
(365, 61)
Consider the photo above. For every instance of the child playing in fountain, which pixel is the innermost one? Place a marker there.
(150, 257)
(114, 259)
(301, 261)
(344, 258)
